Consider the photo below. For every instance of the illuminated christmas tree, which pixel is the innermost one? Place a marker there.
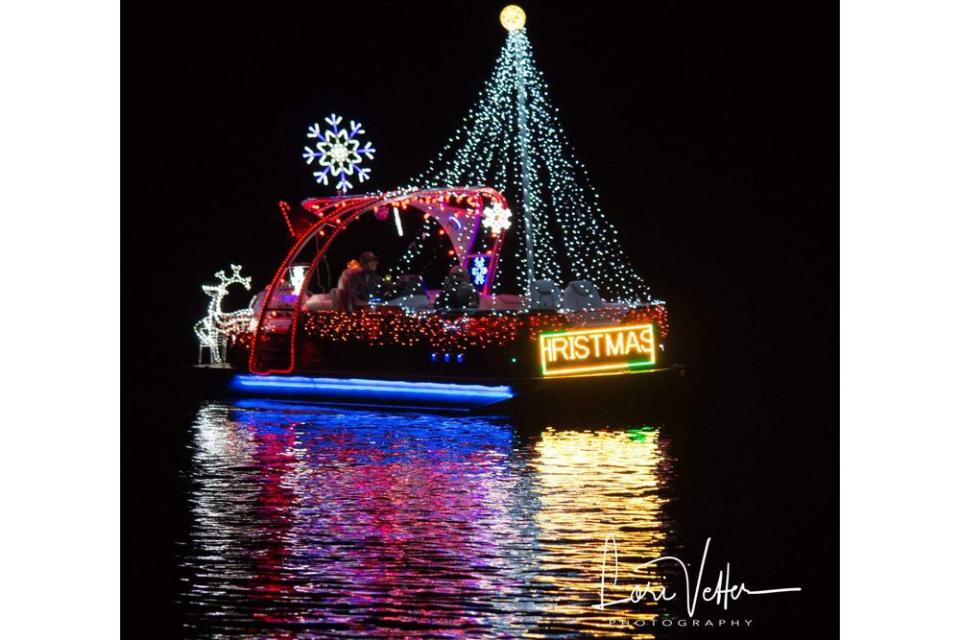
(512, 140)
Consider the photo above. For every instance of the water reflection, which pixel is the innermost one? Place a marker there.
(593, 484)
(310, 522)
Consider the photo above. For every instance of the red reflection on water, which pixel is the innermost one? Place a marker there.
(273, 456)
(345, 526)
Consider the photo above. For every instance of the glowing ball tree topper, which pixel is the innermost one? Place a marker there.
(513, 17)
(338, 152)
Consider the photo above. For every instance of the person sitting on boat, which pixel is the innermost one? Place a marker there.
(352, 267)
(364, 284)
(338, 295)
(457, 292)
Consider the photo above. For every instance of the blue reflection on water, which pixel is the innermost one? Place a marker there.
(310, 521)
(393, 433)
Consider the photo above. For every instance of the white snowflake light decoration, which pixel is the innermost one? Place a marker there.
(338, 152)
(479, 271)
(496, 218)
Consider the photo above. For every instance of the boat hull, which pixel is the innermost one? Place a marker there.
(573, 395)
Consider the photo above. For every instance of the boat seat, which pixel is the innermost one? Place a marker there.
(581, 295)
(545, 295)
(320, 302)
(413, 303)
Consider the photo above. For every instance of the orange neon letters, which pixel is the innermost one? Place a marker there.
(597, 350)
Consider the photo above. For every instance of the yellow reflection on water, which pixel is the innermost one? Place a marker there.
(329, 517)
(593, 484)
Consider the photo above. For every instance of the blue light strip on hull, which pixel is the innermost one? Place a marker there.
(384, 390)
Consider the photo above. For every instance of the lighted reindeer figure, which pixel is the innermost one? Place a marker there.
(212, 329)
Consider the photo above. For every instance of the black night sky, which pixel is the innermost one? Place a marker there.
(710, 131)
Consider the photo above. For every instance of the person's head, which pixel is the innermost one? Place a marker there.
(368, 261)
(458, 273)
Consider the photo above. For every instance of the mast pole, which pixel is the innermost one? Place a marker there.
(524, 163)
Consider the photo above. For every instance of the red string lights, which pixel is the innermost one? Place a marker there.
(388, 326)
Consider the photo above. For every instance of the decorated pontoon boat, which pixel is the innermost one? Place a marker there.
(409, 343)
(521, 304)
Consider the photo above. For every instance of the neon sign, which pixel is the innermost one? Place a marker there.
(599, 350)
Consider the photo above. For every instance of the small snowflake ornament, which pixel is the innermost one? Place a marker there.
(338, 152)
(479, 271)
(496, 218)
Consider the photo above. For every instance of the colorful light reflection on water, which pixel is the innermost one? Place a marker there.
(311, 521)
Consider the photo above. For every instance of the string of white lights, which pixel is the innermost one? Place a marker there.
(572, 237)
(211, 329)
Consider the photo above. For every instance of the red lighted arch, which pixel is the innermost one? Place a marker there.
(334, 215)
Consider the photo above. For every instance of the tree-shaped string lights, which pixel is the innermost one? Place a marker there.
(512, 139)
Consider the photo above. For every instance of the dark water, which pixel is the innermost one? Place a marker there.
(263, 519)
(410, 525)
